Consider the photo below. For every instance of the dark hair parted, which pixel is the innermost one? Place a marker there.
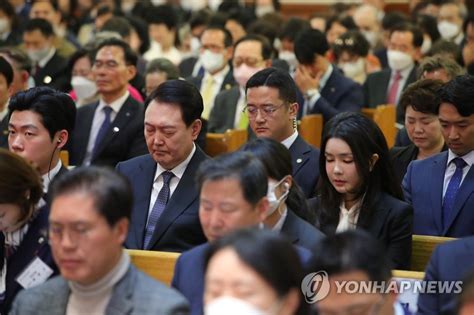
(20, 58)
(277, 161)
(274, 78)
(130, 57)
(309, 43)
(266, 48)
(242, 166)
(460, 93)
(163, 65)
(180, 93)
(417, 40)
(349, 251)
(162, 14)
(21, 183)
(111, 191)
(292, 27)
(422, 96)
(365, 139)
(6, 70)
(41, 25)
(271, 256)
(56, 109)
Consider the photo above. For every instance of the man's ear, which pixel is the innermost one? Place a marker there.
(293, 110)
(196, 128)
(61, 138)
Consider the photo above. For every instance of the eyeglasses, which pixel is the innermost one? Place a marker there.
(75, 234)
(265, 110)
(251, 62)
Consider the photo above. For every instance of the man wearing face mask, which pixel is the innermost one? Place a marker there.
(386, 86)
(216, 51)
(48, 67)
(365, 17)
(252, 53)
(450, 21)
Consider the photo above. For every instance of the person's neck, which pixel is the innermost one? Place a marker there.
(425, 153)
(112, 97)
(349, 201)
(54, 162)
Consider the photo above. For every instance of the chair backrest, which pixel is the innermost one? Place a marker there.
(385, 117)
(407, 274)
(231, 140)
(422, 248)
(64, 157)
(311, 129)
(158, 265)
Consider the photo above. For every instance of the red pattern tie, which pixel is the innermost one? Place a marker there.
(392, 92)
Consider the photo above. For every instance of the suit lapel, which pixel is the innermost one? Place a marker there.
(228, 81)
(85, 126)
(234, 96)
(436, 179)
(57, 298)
(121, 299)
(378, 217)
(463, 194)
(289, 228)
(298, 151)
(329, 90)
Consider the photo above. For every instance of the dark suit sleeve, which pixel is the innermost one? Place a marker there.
(400, 237)
(429, 303)
(137, 146)
(175, 280)
(406, 183)
(350, 102)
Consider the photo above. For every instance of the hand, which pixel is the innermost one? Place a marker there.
(305, 81)
(468, 53)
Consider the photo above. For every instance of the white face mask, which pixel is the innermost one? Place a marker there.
(243, 73)
(214, 4)
(448, 30)
(398, 60)
(426, 46)
(353, 69)
(212, 61)
(231, 306)
(38, 54)
(371, 36)
(261, 10)
(289, 57)
(83, 87)
(273, 201)
(4, 25)
(193, 5)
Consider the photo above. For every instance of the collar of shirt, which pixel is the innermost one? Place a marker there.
(468, 158)
(218, 77)
(279, 225)
(458, 39)
(178, 170)
(288, 142)
(115, 105)
(4, 112)
(48, 177)
(404, 73)
(398, 309)
(48, 57)
(324, 79)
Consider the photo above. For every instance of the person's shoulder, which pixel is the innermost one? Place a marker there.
(135, 162)
(194, 252)
(437, 158)
(396, 206)
(39, 294)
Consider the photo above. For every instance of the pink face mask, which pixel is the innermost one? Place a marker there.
(243, 73)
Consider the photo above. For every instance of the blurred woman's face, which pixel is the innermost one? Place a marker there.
(228, 276)
(10, 215)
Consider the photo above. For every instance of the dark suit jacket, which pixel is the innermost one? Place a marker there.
(301, 233)
(305, 164)
(123, 140)
(392, 224)
(226, 84)
(178, 228)
(53, 74)
(186, 66)
(34, 244)
(423, 189)
(4, 132)
(340, 94)
(190, 270)
(376, 89)
(223, 113)
(451, 261)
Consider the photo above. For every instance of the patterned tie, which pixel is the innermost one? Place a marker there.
(158, 207)
(392, 93)
(452, 190)
(103, 129)
(207, 96)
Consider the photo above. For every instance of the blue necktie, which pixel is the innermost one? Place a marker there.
(452, 190)
(158, 208)
(103, 129)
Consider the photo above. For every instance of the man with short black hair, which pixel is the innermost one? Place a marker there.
(6, 79)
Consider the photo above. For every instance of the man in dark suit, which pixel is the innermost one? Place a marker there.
(165, 210)
(41, 124)
(325, 89)
(272, 110)
(6, 79)
(110, 130)
(449, 262)
(440, 187)
(215, 53)
(251, 54)
(386, 86)
(233, 191)
(49, 68)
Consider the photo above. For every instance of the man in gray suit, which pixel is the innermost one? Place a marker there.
(88, 224)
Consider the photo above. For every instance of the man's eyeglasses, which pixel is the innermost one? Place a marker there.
(75, 234)
(265, 110)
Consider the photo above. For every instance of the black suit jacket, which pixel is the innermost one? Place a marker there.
(223, 113)
(4, 132)
(178, 228)
(305, 164)
(53, 74)
(226, 84)
(34, 244)
(123, 140)
(186, 66)
(392, 224)
(299, 232)
(376, 89)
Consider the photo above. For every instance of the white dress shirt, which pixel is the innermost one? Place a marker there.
(288, 142)
(348, 217)
(279, 225)
(451, 168)
(48, 177)
(99, 117)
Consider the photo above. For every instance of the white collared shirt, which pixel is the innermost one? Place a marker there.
(46, 59)
(178, 172)
(279, 225)
(288, 142)
(348, 217)
(48, 177)
(4, 112)
(240, 107)
(403, 80)
(99, 117)
(451, 168)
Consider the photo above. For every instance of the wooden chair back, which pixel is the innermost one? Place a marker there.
(158, 265)
(231, 140)
(311, 129)
(385, 117)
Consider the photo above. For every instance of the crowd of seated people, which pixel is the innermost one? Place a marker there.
(105, 112)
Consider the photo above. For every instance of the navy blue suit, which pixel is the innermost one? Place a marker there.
(305, 164)
(34, 244)
(189, 275)
(451, 261)
(178, 228)
(299, 232)
(423, 188)
(338, 95)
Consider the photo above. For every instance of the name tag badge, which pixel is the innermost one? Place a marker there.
(35, 273)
